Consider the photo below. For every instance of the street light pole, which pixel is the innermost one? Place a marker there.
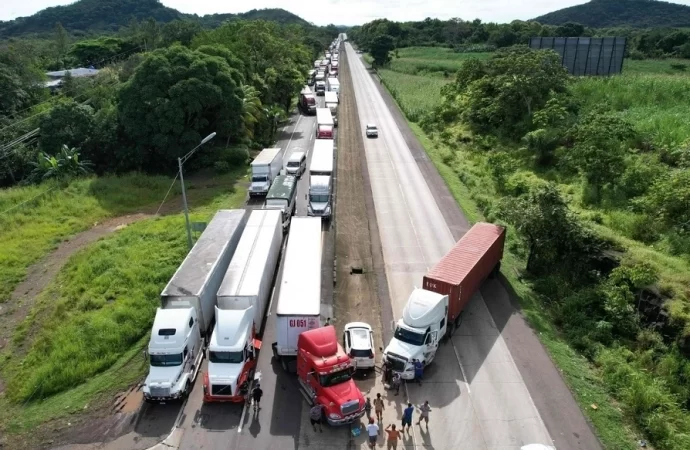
(186, 211)
(180, 162)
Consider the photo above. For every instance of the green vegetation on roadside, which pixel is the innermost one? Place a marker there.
(619, 334)
(92, 320)
(35, 219)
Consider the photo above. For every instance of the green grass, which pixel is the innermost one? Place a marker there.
(414, 93)
(658, 105)
(431, 61)
(29, 231)
(656, 66)
(93, 320)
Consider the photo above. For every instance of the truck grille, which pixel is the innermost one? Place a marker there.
(397, 362)
(157, 391)
(350, 407)
(221, 389)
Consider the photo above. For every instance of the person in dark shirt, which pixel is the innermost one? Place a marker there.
(256, 396)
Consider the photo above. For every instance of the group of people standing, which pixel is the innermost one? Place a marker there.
(394, 380)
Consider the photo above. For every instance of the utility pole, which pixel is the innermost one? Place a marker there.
(180, 162)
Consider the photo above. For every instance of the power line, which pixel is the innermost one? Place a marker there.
(28, 201)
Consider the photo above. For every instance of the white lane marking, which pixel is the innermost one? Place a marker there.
(457, 356)
(293, 132)
(407, 394)
(244, 412)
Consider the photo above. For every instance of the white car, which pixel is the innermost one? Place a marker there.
(372, 131)
(358, 340)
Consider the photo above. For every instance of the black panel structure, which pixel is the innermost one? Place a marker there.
(584, 55)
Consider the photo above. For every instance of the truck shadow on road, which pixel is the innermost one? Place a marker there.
(218, 416)
(157, 420)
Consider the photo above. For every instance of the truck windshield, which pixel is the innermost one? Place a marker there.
(334, 378)
(318, 198)
(166, 360)
(409, 337)
(226, 357)
(293, 163)
(258, 178)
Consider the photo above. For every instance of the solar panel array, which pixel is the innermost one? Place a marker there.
(584, 55)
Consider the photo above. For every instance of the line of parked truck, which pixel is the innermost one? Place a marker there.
(215, 303)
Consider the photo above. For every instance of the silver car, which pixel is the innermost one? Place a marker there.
(358, 340)
(372, 131)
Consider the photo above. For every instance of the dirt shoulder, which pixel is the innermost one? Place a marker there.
(358, 297)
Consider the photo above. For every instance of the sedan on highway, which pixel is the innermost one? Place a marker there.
(358, 340)
(372, 131)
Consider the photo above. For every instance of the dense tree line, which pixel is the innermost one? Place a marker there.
(519, 111)
(477, 36)
(161, 89)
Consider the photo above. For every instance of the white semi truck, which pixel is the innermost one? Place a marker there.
(333, 85)
(242, 300)
(331, 99)
(320, 179)
(265, 168)
(324, 124)
(299, 292)
(176, 347)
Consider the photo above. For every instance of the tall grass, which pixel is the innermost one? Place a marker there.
(658, 105)
(431, 61)
(29, 230)
(416, 95)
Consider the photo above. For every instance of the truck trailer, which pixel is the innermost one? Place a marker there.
(176, 347)
(324, 124)
(298, 307)
(320, 179)
(265, 167)
(433, 312)
(242, 299)
(331, 99)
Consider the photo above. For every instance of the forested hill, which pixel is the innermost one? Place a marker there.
(109, 15)
(622, 13)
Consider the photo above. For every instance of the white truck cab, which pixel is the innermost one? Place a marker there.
(175, 352)
(231, 356)
(418, 333)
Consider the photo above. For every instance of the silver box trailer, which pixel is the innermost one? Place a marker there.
(196, 281)
(299, 296)
(249, 278)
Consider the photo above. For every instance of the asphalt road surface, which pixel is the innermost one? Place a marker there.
(481, 399)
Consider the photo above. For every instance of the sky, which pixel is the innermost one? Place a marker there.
(346, 12)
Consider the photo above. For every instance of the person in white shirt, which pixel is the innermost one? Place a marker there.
(373, 431)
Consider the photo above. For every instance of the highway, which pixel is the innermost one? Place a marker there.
(480, 398)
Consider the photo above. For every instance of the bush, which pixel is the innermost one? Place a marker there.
(520, 183)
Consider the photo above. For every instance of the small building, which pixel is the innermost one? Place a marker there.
(55, 78)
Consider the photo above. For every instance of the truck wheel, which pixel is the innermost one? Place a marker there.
(274, 346)
(497, 270)
(284, 364)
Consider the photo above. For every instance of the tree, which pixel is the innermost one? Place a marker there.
(181, 31)
(68, 123)
(553, 236)
(599, 151)
(502, 94)
(14, 95)
(380, 50)
(61, 41)
(252, 111)
(176, 97)
(669, 197)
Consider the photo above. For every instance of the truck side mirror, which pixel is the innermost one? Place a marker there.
(380, 348)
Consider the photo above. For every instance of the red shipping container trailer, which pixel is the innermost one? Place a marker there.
(460, 273)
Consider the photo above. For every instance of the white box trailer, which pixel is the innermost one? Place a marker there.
(249, 278)
(299, 297)
(265, 167)
(196, 281)
(322, 157)
(333, 85)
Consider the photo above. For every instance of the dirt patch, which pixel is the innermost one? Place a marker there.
(356, 294)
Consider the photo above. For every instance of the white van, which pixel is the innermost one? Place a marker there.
(297, 164)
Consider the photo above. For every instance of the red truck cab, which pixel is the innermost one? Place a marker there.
(325, 373)
(324, 132)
